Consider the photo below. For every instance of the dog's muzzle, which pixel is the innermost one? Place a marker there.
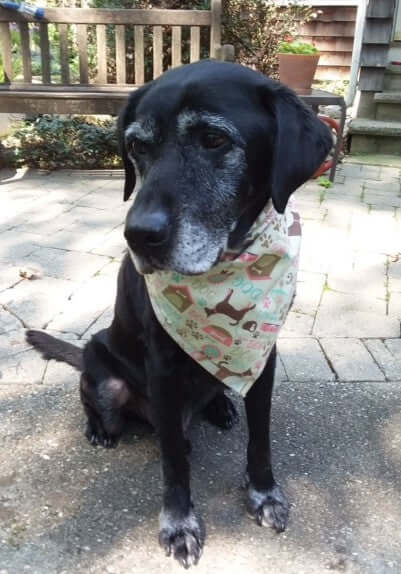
(148, 235)
(147, 232)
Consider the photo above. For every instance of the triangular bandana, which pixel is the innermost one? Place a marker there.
(229, 318)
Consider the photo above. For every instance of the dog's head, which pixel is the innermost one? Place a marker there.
(205, 147)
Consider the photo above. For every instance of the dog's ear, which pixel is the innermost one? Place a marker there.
(127, 116)
(302, 143)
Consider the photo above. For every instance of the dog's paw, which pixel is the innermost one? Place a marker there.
(269, 507)
(221, 412)
(99, 437)
(181, 537)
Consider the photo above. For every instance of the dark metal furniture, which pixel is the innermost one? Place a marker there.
(316, 98)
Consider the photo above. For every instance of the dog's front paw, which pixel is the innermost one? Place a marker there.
(269, 507)
(181, 537)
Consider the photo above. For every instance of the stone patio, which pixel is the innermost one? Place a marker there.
(68, 508)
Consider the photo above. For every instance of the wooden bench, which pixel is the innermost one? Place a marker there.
(104, 95)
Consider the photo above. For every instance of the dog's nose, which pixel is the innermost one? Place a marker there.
(147, 231)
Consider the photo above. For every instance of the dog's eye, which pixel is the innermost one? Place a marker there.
(139, 147)
(212, 140)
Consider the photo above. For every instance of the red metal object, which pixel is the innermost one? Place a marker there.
(328, 163)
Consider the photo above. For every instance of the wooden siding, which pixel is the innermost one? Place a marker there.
(333, 34)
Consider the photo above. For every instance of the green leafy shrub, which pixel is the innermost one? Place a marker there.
(54, 142)
(338, 87)
(302, 48)
(7, 156)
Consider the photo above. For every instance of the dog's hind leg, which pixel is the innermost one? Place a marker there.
(108, 398)
(103, 401)
(221, 412)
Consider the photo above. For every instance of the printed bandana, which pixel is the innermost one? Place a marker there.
(228, 319)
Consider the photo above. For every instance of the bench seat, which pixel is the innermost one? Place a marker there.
(63, 99)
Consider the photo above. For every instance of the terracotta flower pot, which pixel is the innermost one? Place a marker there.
(298, 70)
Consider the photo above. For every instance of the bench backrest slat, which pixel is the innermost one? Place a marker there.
(26, 51)
(64, 58)
(82, 42)
(45, 52)
(5, 44)
(121, 76)
(101, 76)
(215, 27)
(176, 56)
(139, 56)
(157, 51)
(195, 44)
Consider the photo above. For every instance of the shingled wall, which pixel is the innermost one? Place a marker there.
(333, 34)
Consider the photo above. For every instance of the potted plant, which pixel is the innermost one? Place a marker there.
(297, 64)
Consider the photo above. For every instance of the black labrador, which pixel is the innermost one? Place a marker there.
(205, 147)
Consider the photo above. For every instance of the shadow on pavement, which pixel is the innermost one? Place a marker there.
(67, 507)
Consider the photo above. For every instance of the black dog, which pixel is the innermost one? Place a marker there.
(205, 146)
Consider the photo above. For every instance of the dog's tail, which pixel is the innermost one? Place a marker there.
(52, 348)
